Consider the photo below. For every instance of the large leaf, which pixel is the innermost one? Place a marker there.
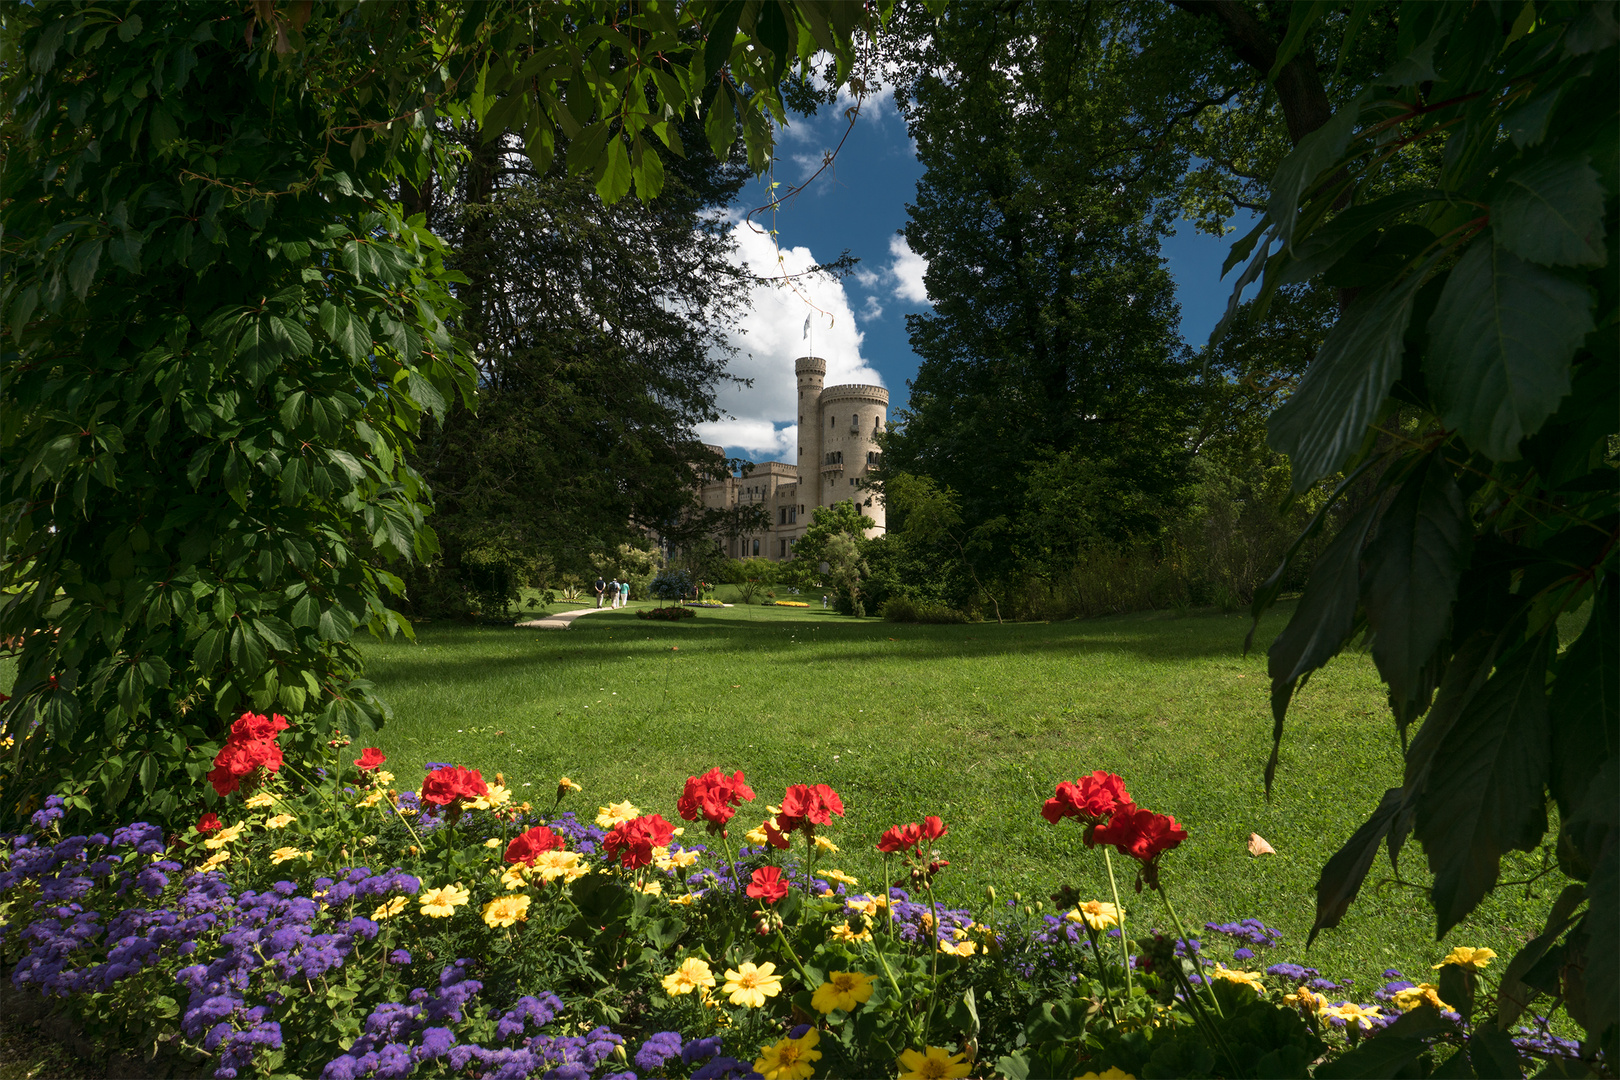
(1319, 249)
(1323, 423)
(1343, 874)
(1551, 212)
(1321, 623)
(1586, 701)
(1385, 1056)
(1493, 1054)
(1317, 153)
(1513, 995)
(1485, 791)
(1602, 925)
(1413, 566)
(1501, 339)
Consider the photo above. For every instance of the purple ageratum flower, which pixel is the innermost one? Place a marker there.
(538, 1011)
(1242, 953)
(435, 1043)
(400, 957)
(658, 1049)
(1292, 972)
(50, 813)
(435, 766)
(700, 1049)
(726, 1068)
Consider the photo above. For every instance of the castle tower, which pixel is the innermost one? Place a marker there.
(811, 371)
(848, 421)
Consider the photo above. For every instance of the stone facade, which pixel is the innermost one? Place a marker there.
(838, 429)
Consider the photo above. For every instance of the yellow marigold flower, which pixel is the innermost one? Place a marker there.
(493, 842)
(552, 865)
(260, 799)
(790, 1059)
(1095, 914)
(566, 784)
(373, 797)
(838, 876)
(1413, 996)
(224, 836)
(824, 844)
(515, 877)
(506, 910)
(1305, 999)
(615, 813)
(382, 778)
(1469, 959)
(843, 933)
(498, 797)
(1251, 979)
(756, 835)
(215, 860)
(1351, 1013)
(842, 990)
(670, 860)
(651, 888)
(441, 903)
(961, 948)
(750, 985)
(280, 821)
(693, 974)
(686, 900)
(389, 910)
(935, 1063)
(283, 854)
(1114, 1073)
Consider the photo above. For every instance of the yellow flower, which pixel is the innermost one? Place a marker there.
(756, 835)
(552, 865)
(651, 888)
(1410, 998)
(842, 990)
(259, 800)
(615, 813)
(283, 854)
(693, 974)
(1351, 1013)
(670, 860)
(375, 796)
(686, 900)
(1305, 999)
(1469, 959)
(843, 933)
(506, 910)
(1114, 1073)
(870, 905)
(382, 778)
(566, 784)
(790, 1059)
(493, 842)
(838, 876)
(961, 948)
(750, 985)
(515, 877)
(498, 797)
(215, 860)
(935, 1064)
(1251, 979)
(280, 821)
(389, 910)
(441, 903)
(1095, 914)
(224, 836)
(824, 844)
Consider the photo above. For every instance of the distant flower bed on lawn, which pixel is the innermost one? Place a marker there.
(702, 603)
(329, 924)
(667, 614)
(785, 603)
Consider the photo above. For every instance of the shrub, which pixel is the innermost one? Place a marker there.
(666, 614)
(902, 609)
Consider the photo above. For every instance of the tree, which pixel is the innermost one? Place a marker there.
(845, 569)
(810, 551)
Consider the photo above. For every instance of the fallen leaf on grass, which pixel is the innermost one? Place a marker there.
(1258, 845)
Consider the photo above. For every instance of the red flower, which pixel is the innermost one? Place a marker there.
(208, 823)
(532, 844)
(815, 803)
(900, 838)
(631, 842)
(245, 751)
(1140, 834)
(767, 885)
(370, 758)
(1093, 798)
(933, 828)
(251, 727)
(445, 786)
(714, 796)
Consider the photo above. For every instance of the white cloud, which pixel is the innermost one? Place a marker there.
(763, 419)
(873, 309)
(907, 270)
(867, 279)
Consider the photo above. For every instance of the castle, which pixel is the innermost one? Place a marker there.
(838, 429)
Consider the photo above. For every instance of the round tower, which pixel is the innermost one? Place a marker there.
(811, 372)
(849, 421)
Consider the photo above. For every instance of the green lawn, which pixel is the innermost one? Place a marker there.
(974, 723)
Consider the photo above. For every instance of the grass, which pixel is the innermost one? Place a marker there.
(974, 723)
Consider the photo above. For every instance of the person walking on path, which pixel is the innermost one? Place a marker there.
(601, 588)
(624, 594)
(613, 593)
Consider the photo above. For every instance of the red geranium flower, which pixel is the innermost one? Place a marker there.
(767, 885)
(251, 727)
(900, 838)
(714, 796)
(532, 844)
(815, 803)
(446, 786)
(370, 758)
(1093, 798)
(933, 828)
(630, 843)
(1142, 835)
(208, 823)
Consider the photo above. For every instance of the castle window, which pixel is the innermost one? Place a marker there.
(793, 515)
(784, 549)
(832, 421)
(782, 514)
(756, 548)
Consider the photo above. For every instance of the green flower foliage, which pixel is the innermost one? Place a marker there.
(221, 337)
(1472, 373)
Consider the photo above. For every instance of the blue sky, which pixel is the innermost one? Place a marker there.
(859, 324)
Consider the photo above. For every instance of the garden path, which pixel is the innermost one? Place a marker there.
(560, 620)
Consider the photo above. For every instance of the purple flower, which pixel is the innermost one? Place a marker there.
(726, 1068)
(400, 957)
(699, 1049)
(658, 1049)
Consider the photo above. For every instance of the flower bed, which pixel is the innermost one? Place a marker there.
(667, 614)
(785, 603)
(702, 603)
(338, 927)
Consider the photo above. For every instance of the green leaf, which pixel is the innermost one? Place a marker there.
(1513, 995)
(1500, 343)
(1342, 875)
(306, 611)
(1602, 926)
(248, 654)
(585, 151)
(162, 128)
(1485, 789)
(720, 125)
(1317, 153)
(614, 182)
(1586, 701)
(1375, 1059)
(210, 648)
(1300, 20)
(1316, 251)
(1413, 566)
(125, 251)
(1551, 212)
(719, 36)
(81, 269)
(1493, 1054)
(1323, 423)
(1321, 623)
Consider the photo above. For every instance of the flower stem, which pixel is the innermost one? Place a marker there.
(1192, 951)
(1124, 939)
(804, 976)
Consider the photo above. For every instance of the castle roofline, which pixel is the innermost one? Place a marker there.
(810, 363)
(855, 391)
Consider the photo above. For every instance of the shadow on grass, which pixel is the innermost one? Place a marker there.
(1164, 637)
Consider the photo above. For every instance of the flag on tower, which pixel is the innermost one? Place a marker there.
(806, 327)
